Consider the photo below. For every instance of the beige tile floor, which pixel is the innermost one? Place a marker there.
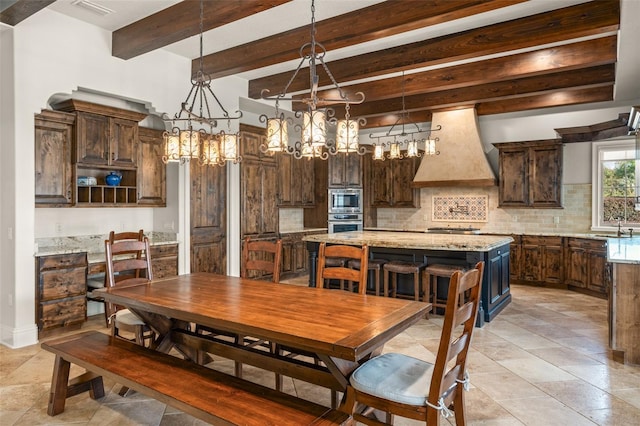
(543, 361)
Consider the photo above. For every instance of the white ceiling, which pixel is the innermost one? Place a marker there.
(298, 13)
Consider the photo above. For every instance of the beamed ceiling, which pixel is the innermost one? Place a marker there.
(560, 56)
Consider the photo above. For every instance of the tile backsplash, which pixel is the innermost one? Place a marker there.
(575, 217)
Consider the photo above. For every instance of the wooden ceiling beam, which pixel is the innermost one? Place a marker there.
(587, 19)
(181, 21)
(21, 10)
(375, 22)
(598, 131)
(573, 56)
(391, 119)
(595, 76)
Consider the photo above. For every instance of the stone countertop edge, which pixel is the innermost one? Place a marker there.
(303, 230)
(414, 240)
(95, 253)
(624, 250)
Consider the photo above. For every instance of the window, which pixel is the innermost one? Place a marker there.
(616, 185)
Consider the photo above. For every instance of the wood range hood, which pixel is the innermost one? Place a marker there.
(462, 161)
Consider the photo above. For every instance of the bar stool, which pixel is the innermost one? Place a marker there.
(432, 272)
(374, 265)
(396, 267)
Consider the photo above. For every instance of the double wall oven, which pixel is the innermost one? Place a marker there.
(345, 209)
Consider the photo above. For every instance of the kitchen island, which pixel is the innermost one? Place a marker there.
(451, 249)
(624, 309)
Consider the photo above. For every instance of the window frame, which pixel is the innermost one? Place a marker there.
(596, 183)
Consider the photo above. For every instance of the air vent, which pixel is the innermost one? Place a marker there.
(92, 7)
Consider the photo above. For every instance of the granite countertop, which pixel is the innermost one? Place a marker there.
(414, 240)
(623, 250)
(301, 230)
(93, 245)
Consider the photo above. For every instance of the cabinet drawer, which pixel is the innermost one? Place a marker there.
(61, 283)
(164, 250)
(63, 312)
(62, 261)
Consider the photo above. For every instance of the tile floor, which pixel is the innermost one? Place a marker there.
(543, 361)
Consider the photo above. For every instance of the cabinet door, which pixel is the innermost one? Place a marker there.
(353, 170)
(576, 262)
(403, 172)
(381, 184)
(53, 172)
(268, 199)
(336, 170)
(598, 267)
(513, 188)
(92, 139)
(123, 143)
(285, 196)
(152, 181)
(251, 200)
(531, 259)
(303, 183)
(544, 176)
(552, 265)
(164, 260)
(515, 258)
(301, 255)
(287, 257)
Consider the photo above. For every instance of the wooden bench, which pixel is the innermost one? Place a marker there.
(204, 393)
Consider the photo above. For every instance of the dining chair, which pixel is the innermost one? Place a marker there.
(401, 385)
(261, 256)
(128, 262)
(328, 269)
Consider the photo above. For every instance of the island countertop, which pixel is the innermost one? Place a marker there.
(413, 240)
(624, 250)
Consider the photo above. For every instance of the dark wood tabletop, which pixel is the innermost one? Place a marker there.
(334, 323)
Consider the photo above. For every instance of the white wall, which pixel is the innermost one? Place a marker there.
(50, 54)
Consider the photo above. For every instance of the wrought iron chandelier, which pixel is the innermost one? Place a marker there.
(403, 137)
(182, 145)
(313, 141)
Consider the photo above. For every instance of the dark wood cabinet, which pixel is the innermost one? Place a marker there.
(53, 166)
(317, 217)
(389, 183)
(152, 181)
(164, 260)
(530, 174)
(345, 170)
(61, 288)
(587, 266)
(295, 257)
(295, 181)
(258, 187)
(537, 259)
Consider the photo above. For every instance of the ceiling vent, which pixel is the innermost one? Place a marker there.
(92, 7)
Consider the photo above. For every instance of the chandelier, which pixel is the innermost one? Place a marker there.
(401, 137)
(313, 141)
(184, 144)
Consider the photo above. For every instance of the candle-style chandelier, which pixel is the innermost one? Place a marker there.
(402, 137)
(184, 144)
(313, 141)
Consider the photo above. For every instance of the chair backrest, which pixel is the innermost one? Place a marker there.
(342, 272)
(128, 261)
(264, 256)
(459, 320)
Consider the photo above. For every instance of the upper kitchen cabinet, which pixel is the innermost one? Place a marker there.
(53, 168)
(530, 174)
(345, 170)
(152, 181)
(295, 181)
(105, 136)
(390, 181)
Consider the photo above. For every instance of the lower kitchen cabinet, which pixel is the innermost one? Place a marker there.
(542, 259)
(164, 260)
(587, 266)
(295, 256)
(61, 288)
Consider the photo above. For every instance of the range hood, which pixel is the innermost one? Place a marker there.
(462, 161)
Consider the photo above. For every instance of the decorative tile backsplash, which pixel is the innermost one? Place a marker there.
(460, 208)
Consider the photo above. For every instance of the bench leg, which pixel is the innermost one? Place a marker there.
(59, 382)
(86, 382)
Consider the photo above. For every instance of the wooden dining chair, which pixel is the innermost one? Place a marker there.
(128, 262)
(329, 269)
(401, 385)
(262, 256)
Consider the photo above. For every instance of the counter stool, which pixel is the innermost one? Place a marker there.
(374, 265)
(394, 268)
(432, 273)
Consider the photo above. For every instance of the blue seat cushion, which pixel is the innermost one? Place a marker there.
(395, 377)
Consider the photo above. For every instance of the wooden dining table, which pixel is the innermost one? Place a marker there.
(342, 329)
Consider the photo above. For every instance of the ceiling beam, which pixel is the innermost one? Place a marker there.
(391, 119)
(584, 54)
(587, 19)
(374, 22)
(598, 131)
(594, 76)
(181, 21)
(21, 10)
